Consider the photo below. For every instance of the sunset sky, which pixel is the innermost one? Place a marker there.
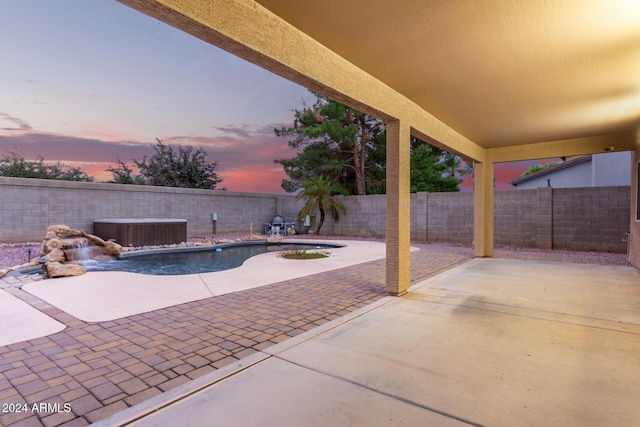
(86, 82)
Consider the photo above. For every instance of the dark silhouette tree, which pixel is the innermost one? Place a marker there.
(15, 165)
(185, 167)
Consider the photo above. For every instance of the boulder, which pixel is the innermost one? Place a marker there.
(220, 241)
(56, 255)
(51, 244)
(50, 235)
(275, 238)
(64, 232)
(113, 249)
(56, 269)
(95, 240)
(56, 228)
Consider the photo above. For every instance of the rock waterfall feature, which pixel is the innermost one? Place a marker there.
(64, 249)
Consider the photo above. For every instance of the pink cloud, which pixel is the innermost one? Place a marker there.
(254, 179)
(243, 164)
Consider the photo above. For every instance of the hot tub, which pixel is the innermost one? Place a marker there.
(142, 231)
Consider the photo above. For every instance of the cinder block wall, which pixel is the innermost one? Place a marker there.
(450, 217)
(591, 219)
(365, 217)
(523, 218)
(574, 218)
(30, 205)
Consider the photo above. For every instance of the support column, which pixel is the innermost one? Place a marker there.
(398, 222)
(483, 209)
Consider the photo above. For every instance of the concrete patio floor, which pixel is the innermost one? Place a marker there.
(493, 342)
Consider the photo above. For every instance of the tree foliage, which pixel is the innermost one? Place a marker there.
(124, 174)
(349, 147)
(335, 141)
(427, 170)
(15, 165)
(320, 195)
(538, 167)
(185, 167)
(455, 166)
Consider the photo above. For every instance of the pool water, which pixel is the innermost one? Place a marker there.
(194, 261)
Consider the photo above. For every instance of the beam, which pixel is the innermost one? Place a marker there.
(563, 148)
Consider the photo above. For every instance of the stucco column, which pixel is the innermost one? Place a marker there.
(483, 209)
(634, 225)
(398, 220)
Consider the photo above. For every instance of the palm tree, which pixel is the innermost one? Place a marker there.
(320, 195)
(454, 167)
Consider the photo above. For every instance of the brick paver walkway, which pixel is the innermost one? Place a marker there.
(98, 369)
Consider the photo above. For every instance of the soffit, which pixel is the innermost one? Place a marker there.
(502, 73)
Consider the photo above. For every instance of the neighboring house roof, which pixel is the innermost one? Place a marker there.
(551, 170)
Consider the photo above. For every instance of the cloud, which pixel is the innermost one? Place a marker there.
(22, 125)
(241, 131)
(245, 164)
(53, 147)
(200, 141)
(254, 179)
(245, 131)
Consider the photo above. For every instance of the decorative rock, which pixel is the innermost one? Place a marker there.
(64, 232)
(96, 240)
(56, 269)
(62, 243)
(56, 228)
(51, 244)
(113, 249)
(26, 264)
(275, 238)
(56, 255)
(50, 235)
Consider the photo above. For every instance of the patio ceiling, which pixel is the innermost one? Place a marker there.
(488, 80)
(501, 73)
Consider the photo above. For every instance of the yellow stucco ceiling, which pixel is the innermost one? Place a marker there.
(499, 72)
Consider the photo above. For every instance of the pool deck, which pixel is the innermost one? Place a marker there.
(102, 368)
(104, 296)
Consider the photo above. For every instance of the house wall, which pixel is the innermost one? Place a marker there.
(603, 170)
(582, 219)
(612, 169)
(579, 175)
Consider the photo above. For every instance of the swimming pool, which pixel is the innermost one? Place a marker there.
(195, 260)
